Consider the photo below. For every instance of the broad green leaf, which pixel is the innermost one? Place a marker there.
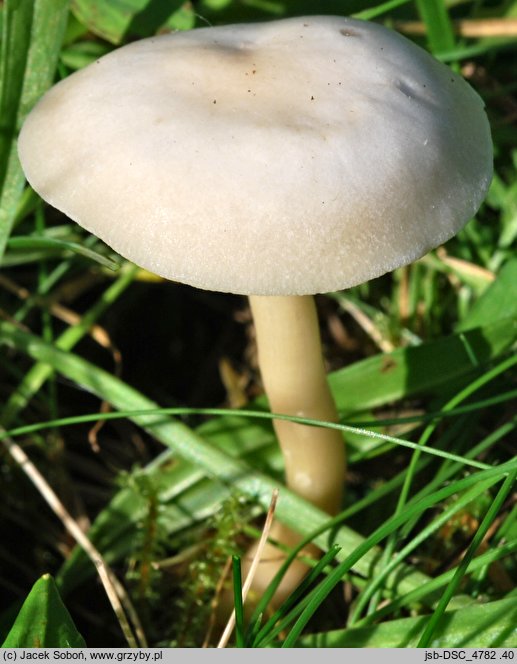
(491, 625)
(498, 301)
(429, 369)
(115, 20)
(44, 621)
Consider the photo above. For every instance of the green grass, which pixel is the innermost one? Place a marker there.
(171, 480)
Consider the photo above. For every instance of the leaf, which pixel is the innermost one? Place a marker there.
(438, 24)
(412, 509)
(372, 382)
(16, 33)
(429, 369)
(115, 20)
(31, 39)
(44, 621)
(291, 510)
(436, 620)
(81, 54)
(491, 625)
(498, 301)
(31, 243)
(374, 12)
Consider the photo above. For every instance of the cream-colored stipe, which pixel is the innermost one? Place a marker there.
(293, 374)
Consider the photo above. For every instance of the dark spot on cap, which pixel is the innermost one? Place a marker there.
(406, 89)
(348, 32)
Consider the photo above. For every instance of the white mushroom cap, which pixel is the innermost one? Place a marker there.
(291, 157)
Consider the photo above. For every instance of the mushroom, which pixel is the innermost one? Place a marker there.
(276, 160)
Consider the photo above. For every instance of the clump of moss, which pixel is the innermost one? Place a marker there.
(204, 573)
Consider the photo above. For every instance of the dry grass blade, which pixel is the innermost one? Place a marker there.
(70, 317)
(465, 268)
(215, 602)
(476, 28)
(101, 336)
(114, 590)
(253, 568)
(367, 324)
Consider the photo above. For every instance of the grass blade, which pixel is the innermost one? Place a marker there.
(39, 373)
(16, 37)
(237, 599)
(35, 243)
(381, 533)
(292, 605)
(293, 511)
(441, 581)
(440, 34)
(491, 625)
(427, 369)
(373, 12)
(31, 41)
(494, 508)
(390, 562)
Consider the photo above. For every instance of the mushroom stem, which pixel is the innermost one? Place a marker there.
(291, 364)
